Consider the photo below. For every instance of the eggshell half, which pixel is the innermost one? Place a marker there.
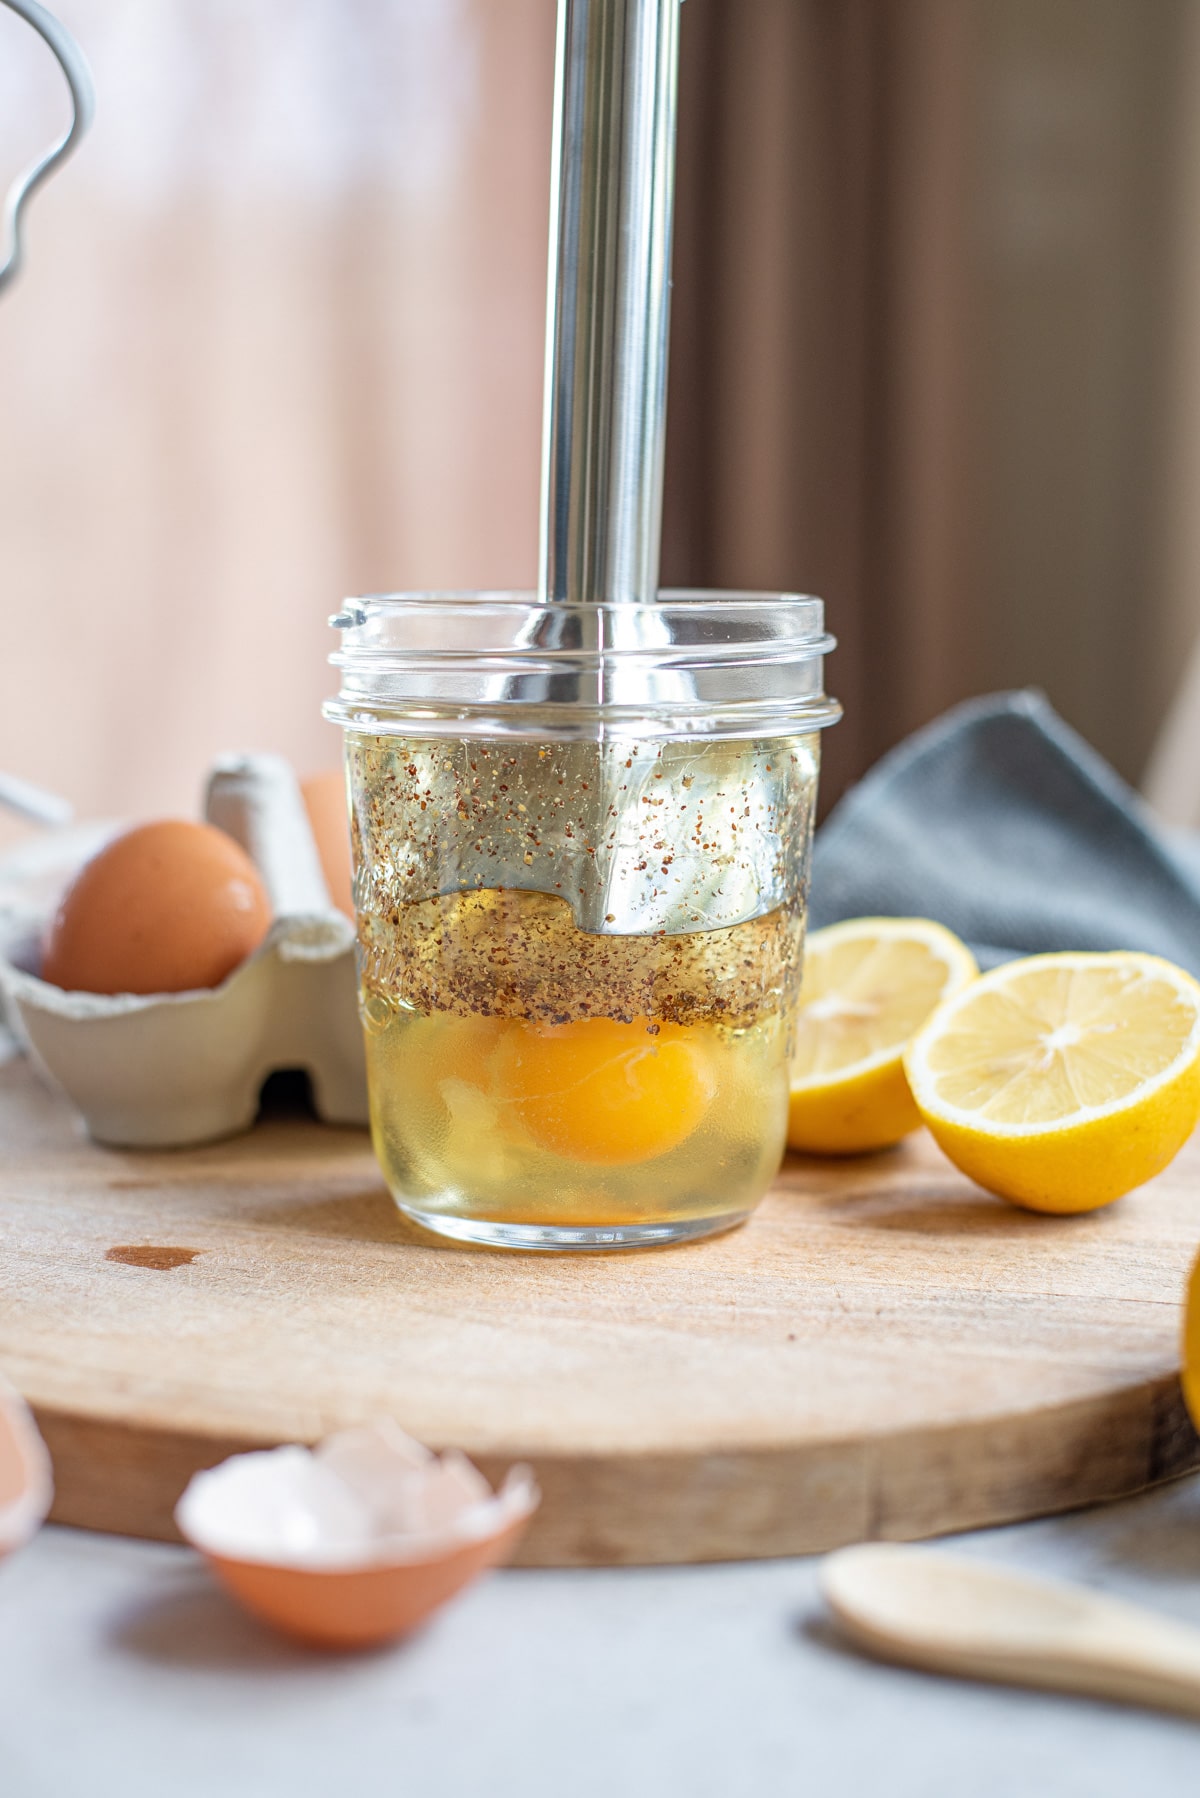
(357, 1541)
(26, 1482)
(366, 1606)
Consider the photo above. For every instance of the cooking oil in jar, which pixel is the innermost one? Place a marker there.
(549, 1063)
(630, 1091)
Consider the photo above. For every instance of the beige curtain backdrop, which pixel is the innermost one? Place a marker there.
(279, 339)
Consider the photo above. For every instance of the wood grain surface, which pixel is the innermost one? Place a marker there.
(883, 1351)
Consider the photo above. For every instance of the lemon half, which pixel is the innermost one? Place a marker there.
(1191, 1344)
(869, 984)
(1062, 1081)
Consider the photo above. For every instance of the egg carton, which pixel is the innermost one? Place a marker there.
(175, 1069)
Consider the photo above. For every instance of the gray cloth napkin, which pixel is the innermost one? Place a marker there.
(999, 821)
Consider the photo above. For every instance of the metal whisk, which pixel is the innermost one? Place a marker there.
(83, 104)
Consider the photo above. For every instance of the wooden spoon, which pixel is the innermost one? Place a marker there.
(954, 1615)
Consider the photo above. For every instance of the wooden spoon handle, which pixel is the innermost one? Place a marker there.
(949, 1614)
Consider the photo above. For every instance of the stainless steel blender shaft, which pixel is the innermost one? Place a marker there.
(677, 824)
(612, 198)
(603, 445)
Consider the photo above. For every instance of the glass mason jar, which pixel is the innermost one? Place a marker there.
(581, 841)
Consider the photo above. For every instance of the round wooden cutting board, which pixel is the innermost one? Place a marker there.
(884, 1351)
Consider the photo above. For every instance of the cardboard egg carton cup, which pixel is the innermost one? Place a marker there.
(173, 1069)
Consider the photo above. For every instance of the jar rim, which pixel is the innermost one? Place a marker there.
(693, 661)
(528, 596)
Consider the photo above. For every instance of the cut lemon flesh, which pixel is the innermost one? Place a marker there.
(1063, 1081)
(869, 984)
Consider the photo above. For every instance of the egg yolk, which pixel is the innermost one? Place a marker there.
(603, 1092)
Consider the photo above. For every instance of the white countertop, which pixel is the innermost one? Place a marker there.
(125, 1672)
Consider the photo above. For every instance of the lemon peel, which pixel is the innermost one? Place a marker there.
(869, 984)
(1061, 1082)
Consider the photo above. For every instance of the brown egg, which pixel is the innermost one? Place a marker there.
(325, 800)
(164, 908)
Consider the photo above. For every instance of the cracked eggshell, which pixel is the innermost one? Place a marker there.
(26, 1482)
(356, 1542)
(170, 1070)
